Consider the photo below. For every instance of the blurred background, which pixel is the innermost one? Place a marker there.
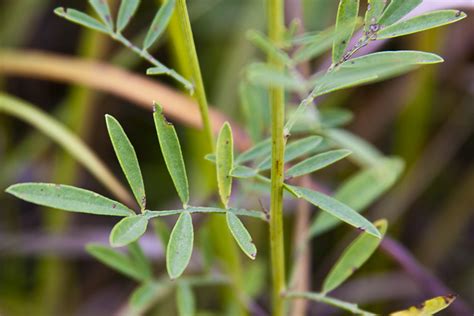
(425, 117)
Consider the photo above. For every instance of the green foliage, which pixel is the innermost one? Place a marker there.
(126, 12)
(128, 230)
(68, 198)
(224, 162)
(180, 246)
(317, 162)
(396, 10)
(185, 300)
(82, 19)
(127, 158)
(241, 235)
(346, 15)
(159, 23)
(356, 254)
(101, 7)
(171, 150)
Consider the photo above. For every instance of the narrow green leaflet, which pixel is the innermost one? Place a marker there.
(335, 208)
(126, 11)
(355, 255)
(128, 230)
(224, 162)
(317, 162)
(160, 22)
(396, 10)
(103, 10)
(262, 149)
(294, 150)
(429, 307)
(116, 260)
(195, 209)
(68, 198)
(263, 43)
(243, 172)
(185, 301)
(171, 150)
(346, 15)
(361, 190)
(147, 294)
(364, 153)
(373, 13)
(335, 117)
(371, 68)
(81, 18)
(268, 76)
(127, 158)
(255, 108)
(241, 235)
(420, 23)
(139, 259)
(180, 246)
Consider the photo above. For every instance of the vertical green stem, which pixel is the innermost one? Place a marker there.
(194, 68)
(276, 28)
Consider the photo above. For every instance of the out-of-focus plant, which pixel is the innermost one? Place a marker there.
(308, 141)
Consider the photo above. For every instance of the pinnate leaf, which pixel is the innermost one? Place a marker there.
(126, 12)
(224, 162)
(420, 23)
(355, 255)
(81, 18)
(335, 208)
(361, 190)
(241, 235)
(116, 260)
(317, 162)
(103, 10)
(68, 198)
(127, 158)
(180, 246)
(128, 230)
(396, 10)
(346, 15)
(160, 22)
(171, 150)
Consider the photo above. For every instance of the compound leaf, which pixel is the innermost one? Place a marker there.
(171, 150)
(68, 198)
(180, 246)
(127, 158)
(241, 235)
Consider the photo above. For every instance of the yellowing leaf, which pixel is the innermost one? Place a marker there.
(427, 308)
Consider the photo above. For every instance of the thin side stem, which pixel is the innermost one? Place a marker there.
(195, 70)
(276, 28)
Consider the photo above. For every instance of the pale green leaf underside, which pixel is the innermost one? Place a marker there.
(420, 23)
(68, 198)
(160, 22)
(373, 13)
(139, 259)
(371, 68)
(396, 10)
(294, 150)
(355, 255)
(180, 246)
(224, 162)
(185, 301)
(346, 15)
(126, 12)
(81, 18)
(241, 235)
(269, 76)
(317, 162)
(361, 190)
(243, 172)
(101, 7)
(116, 260)
(335, 208)
(146, 295)
(171, 150)
(127, 158)
(128, 230)
(262, 149)
(263, 43)
(195, 209)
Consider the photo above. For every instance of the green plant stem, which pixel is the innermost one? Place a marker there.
(318, 297)
(70, 142)
(276, 28)
(186, 36)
